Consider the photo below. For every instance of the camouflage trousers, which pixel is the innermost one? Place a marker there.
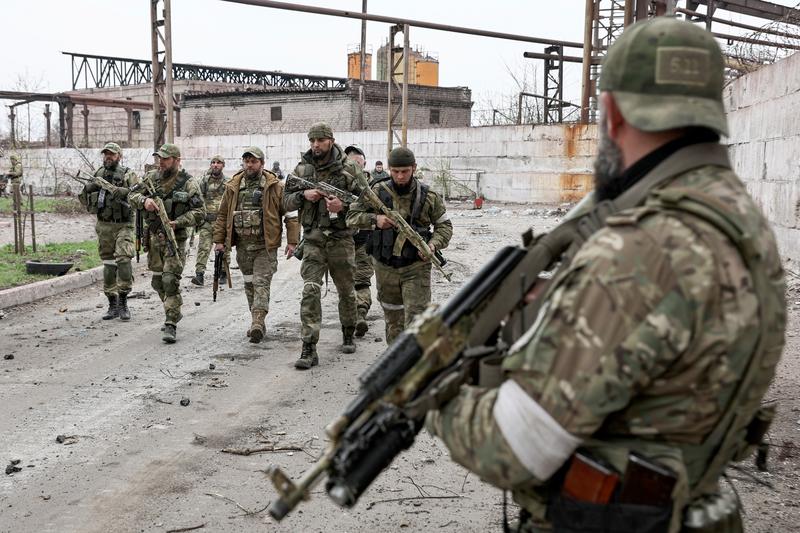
(403, 293)
(205, 243)
(326, 254)
(115, 245)
(257, 265)
(362, 280)
(167, 274)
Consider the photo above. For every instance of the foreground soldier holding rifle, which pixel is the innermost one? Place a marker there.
(105, 194)
(635, 374)
(172, 202)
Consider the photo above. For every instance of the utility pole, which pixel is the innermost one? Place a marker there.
(395, 111)
(361, 75)
(163, 100)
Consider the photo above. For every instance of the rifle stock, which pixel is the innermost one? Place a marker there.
(169, 233)
(423, 369)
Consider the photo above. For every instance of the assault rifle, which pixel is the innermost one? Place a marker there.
(219, 264)
(139, 232)
(404, 228)
(169, 233)
(426, 365)
(85, 179)
(296, 183)
(401, 225)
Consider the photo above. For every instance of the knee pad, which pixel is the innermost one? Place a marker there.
(109, 274)
(157, 283)
(171, 284)
(125, 269)
(312, 289)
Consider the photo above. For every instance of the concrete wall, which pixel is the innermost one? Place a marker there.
(764, 122)
(547, 164)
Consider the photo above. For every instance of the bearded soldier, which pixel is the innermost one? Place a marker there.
(212, 185)
(327, 241)
(643, 374)
(403, 277)
(249, 218)
(184, 207)
(114, 227)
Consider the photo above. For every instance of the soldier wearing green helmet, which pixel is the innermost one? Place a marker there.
(15, 172)
(642, 376)
(114, 227)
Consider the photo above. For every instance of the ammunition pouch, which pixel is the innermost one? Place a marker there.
(248, 223)
(211, 217)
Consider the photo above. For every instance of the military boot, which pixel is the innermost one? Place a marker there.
(308, 357)
(361, 323)
(257, 328)
(170, 334)
(348, 346)
(124, 313)
(113, 310)
(198, 278)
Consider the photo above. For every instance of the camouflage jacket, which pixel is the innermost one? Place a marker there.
(339, 172)
(15, 174)
(433, 213)
(182, 199)
(639, 344)
(107, 207)
(212, 189)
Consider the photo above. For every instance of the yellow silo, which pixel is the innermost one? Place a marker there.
(354, 64)
(427, 71)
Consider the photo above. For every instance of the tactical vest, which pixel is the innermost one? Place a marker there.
(176, 202)
(382, 241)
(103, 204)
(212, 189)
(315, 214)
(248, 219)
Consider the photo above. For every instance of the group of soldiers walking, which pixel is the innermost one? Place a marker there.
(346, 240)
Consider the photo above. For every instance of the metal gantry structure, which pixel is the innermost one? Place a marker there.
(163, 96)
(397, 97)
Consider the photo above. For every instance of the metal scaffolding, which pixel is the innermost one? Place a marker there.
(163, 97)
(398, 59)
(554, 85)
(95, 72)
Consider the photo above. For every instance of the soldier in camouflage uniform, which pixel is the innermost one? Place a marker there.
(212, 185)
(364, 270)
(660, 335)
(327, 241)
(249, 218)
(114, 227)
(183, 201)
(404, 279)
(15, 173)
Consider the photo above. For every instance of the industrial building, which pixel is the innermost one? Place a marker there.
(225, 101)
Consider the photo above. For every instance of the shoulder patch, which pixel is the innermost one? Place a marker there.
(630, 217)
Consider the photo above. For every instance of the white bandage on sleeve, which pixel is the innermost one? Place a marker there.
(444, 218)
(538, 441)
(291, 214)
(109, 262)
(247, 279)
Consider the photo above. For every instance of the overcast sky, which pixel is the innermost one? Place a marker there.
(219, 33)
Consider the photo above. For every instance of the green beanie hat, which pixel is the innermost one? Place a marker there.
(401, 157)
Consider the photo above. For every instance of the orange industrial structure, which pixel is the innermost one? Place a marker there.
(423, 67)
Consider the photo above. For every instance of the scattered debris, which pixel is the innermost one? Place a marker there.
(66, 440)
(64, 310)
(8, 356)
(247, 512)
(212, 366)
(197, 304)
(184, 401)
(264, 449)
(370, 505)
(12, 467)
(182, 529)
(137, 295)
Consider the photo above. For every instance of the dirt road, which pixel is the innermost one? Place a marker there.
(135, 459)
